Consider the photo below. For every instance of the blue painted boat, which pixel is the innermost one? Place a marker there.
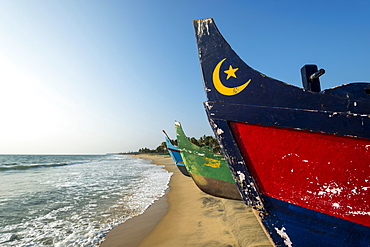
(299, 156)
(176, 156)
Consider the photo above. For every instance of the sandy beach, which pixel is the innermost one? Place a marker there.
(186, 216)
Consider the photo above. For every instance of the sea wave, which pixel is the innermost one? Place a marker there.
(6, 167)
(74, 205)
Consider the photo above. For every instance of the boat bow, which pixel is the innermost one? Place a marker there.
(300, 157)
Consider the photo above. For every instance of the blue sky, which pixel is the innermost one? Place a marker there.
(92, 77)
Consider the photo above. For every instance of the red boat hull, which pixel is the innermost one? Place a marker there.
(321, 172)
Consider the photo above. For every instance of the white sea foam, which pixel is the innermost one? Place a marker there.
(76, 205)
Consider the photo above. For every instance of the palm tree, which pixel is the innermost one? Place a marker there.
(161, 148)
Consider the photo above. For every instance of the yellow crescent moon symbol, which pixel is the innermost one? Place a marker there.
(221, 88)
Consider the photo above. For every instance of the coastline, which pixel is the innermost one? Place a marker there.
(186, 216)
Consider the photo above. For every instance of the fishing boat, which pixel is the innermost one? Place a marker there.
(299, 156)
(175, 155)
(209, 170)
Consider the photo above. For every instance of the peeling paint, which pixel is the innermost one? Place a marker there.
(330, 190)
(336, 205)
(354, 191)
(291, 154)
(285, 236)
(202, 26)
(219, 131)
(241, 176)
(359, 213)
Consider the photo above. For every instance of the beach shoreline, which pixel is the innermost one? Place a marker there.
(134, 230)
(186, 216)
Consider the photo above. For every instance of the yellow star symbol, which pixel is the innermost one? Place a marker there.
(231, 72)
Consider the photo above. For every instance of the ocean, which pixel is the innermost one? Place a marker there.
(73, 200)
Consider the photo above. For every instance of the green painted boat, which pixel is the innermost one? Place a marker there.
(209, 170)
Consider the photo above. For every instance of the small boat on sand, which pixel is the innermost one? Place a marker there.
(299, 156)
(175, 155)
(209, 170)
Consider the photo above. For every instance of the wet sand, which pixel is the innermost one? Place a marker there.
(187, 216)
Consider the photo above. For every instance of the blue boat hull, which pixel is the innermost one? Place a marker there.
(176, 156)
(310, 228)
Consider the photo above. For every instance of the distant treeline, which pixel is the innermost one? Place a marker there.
(209, 141)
